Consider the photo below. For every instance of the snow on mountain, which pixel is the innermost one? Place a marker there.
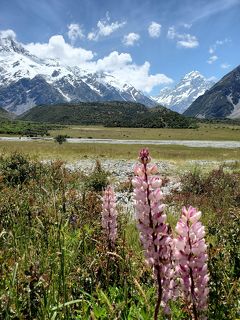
(26, 81)
(185, 92)
(221, 101)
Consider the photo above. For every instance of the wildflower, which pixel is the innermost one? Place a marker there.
(154, 232)
(191, 257)
(109, 216)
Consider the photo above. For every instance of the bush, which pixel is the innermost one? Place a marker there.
(98, 179)
(15, 169)
(60, 138)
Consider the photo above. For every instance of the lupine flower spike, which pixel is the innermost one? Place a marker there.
(191, 257)
(154, 232)
(109, 216)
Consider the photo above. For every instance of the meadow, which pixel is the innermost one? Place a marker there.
(74, 151)
(56, 262)
(216, 131)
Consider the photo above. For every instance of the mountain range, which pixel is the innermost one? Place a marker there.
(190, 87)
(27, 81)
(221, 101)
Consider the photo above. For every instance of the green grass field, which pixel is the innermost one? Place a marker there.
(204, 132)
(73, 152)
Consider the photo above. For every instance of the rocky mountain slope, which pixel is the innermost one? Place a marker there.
(27, 81)
(221, 101)
(185, 92)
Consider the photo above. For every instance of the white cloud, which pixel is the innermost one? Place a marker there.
(187, 25)
(105, 28)
(201, 10)
(212, 59)
(121, 66)
(225, 66)
(7, 34)
(154, 29)
(184, 40)
(74, 32)
(130, 39)
(114, 61)
(57, 48)
(218, 43)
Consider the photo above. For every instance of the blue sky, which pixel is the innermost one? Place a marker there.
(150, 43)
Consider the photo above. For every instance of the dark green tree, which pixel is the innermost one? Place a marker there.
(60, 138)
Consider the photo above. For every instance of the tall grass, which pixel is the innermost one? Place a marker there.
(54, 259)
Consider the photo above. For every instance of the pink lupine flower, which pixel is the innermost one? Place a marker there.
(191, 257)
(154, 232)
(109, 216)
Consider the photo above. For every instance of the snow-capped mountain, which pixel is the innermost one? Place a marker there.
(221, 101)
(26, 81)
(185, 92)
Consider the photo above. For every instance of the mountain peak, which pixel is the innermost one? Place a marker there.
(8, 44)
(190, 87)
(192, 75)
(221, 101)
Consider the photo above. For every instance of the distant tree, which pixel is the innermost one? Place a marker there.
(60, 138)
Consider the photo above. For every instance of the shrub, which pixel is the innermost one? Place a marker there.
(15, 169)
(60, 138)
(98, 179)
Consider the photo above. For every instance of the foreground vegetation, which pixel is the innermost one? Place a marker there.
(55, 262)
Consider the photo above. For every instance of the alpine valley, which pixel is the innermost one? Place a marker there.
(27, 81)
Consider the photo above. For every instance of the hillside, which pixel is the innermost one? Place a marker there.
(112, 114)
(4, 114)
(221, 101)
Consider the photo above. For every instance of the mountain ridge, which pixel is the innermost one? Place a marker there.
(189, 88)
(221, 101)
(23, 76)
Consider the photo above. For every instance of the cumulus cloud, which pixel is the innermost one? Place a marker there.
(105, 28)
(7, 34)
(57, 48)
(184, 40)
(154, 29)
(121, 66)
(74, 32)
(130, 39)
(212, 59)
(114, 61)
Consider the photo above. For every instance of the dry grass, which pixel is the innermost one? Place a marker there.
(72, 152)
(205, 132)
